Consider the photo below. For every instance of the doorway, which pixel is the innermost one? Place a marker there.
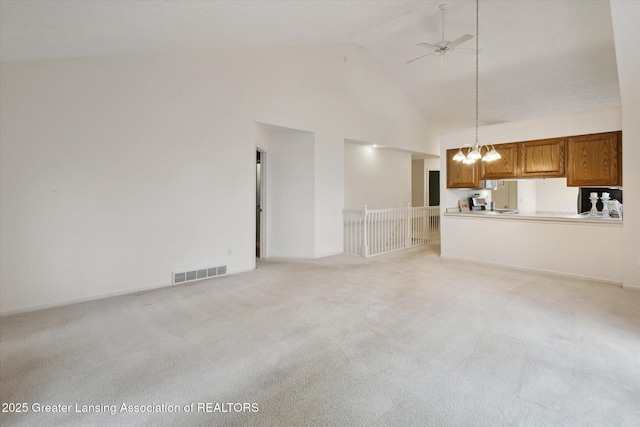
(506, 195)
(287, 171)
(434, 188)
(260, 197)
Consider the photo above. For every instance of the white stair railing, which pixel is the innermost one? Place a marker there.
(369, 232)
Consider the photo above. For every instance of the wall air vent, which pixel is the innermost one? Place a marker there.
(199, 274)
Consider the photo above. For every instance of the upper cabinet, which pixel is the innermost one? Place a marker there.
(504, 168)
(543, 158)
(594, 160)
(586, 160)
(460, 175)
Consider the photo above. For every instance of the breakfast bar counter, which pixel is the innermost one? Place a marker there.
(564, 217)
(567, 244)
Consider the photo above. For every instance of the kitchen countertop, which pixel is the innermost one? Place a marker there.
(584, 218)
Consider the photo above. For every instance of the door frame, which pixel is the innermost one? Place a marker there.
(263, 202)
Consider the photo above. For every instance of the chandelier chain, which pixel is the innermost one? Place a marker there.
(477, 46)
(442, 24)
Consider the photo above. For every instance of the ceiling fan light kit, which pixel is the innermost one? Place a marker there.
(474, 152)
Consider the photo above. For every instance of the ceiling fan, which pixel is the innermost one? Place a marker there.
(444, 46)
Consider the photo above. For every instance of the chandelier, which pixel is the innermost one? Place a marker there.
(474, 152)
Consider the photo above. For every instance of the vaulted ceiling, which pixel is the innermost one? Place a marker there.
(539, 58)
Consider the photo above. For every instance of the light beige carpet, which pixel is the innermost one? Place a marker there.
(401, 339)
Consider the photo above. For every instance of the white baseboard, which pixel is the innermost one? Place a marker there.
(294, 257)
(82, 299)
(326, 254)
(108, 295)
(537, 270)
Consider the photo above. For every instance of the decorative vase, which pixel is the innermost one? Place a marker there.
(605, 208)
(594, 210)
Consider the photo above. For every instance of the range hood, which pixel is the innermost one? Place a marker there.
(488, 184)
(485, 184)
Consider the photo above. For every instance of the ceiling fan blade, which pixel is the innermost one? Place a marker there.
(460, 40)
(419, 57)
(430, 46)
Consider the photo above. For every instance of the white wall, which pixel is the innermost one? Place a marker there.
(117, 171)
(626, 32)
(631, 181)
(418, 183)
(376, 177)
(527, 201)
(541, 195)
(553, 195)
(591, 251)
(291, 195)
(560, 248)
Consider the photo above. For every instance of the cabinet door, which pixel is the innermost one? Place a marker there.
(460, 175)
(544, 158)
(594, 160)
(504, 168)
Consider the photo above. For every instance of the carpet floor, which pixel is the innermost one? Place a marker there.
(405, 339)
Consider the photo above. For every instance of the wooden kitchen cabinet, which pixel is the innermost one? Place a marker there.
(543, 158)
(504, 168)
(594, 160)
(460, 175)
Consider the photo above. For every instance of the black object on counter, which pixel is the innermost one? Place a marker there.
(584, 204)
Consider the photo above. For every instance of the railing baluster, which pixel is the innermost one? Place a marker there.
(377, 229)
(383, 226)
(373, 232)
(381, 232)
(381, 217)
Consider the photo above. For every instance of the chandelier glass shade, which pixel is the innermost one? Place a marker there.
(474, 152)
